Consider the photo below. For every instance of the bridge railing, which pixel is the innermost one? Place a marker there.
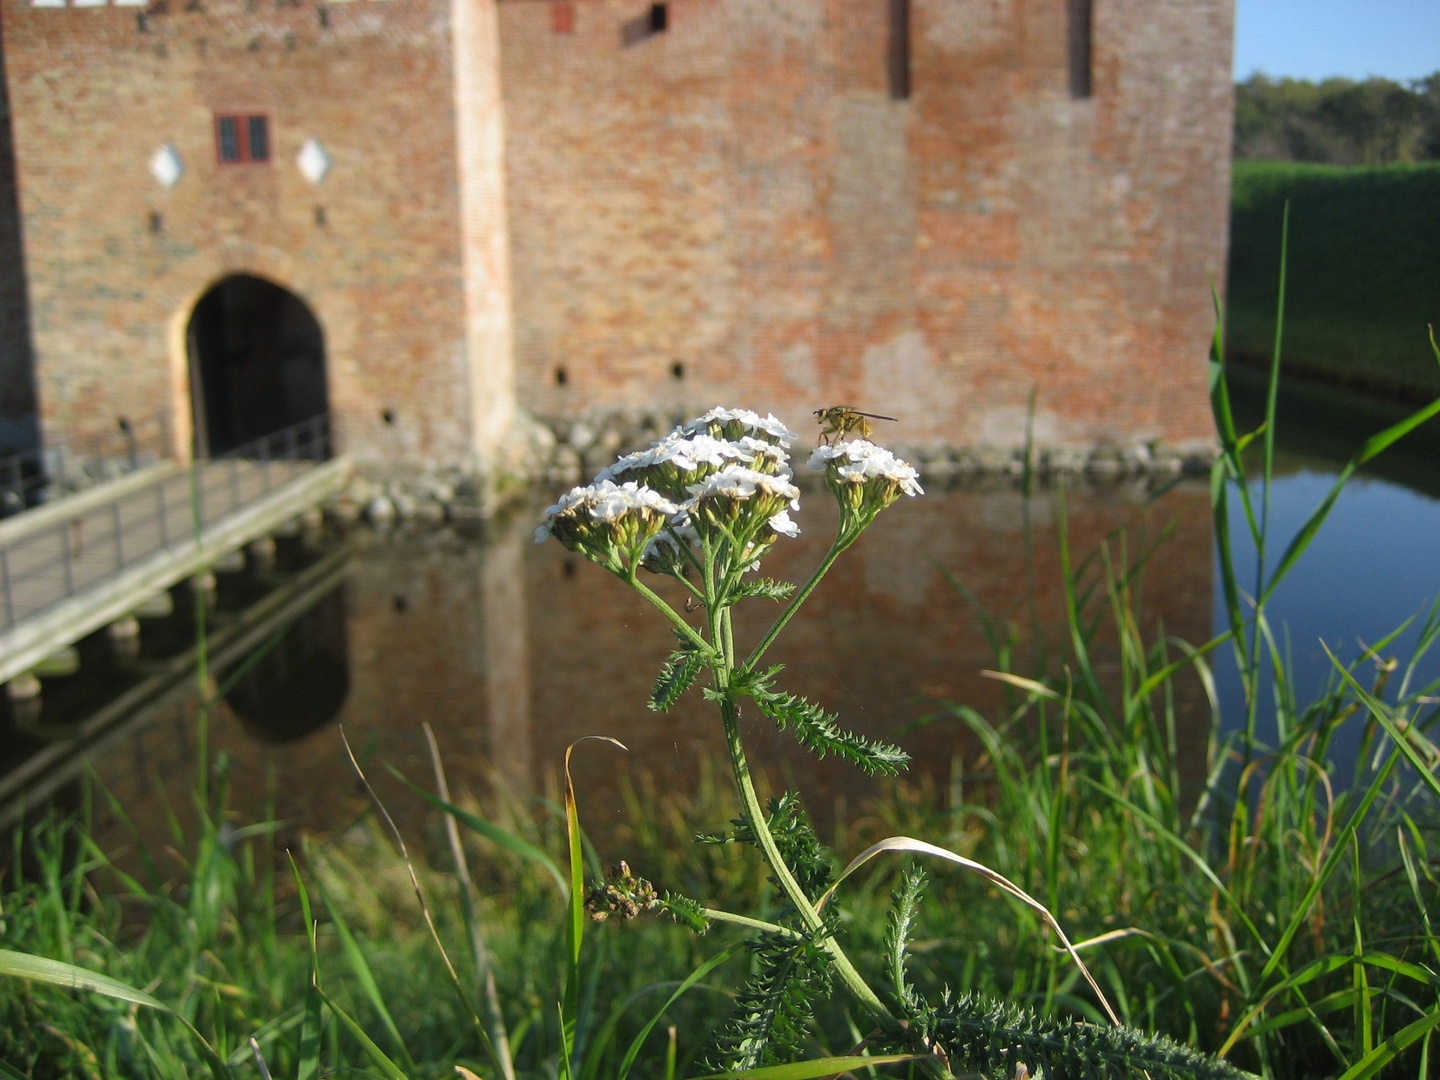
(31, 477)
(46, 565)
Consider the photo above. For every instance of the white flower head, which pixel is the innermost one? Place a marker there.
(765, 457)
(738, 482)
(864, 477)
(675, 462)
(735, 423)
(605, 520)
(743, 509)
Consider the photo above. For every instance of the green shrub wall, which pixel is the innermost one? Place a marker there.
(1364, 269)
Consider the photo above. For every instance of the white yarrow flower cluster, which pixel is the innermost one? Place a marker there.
(738, 482)
(864, 477)
(605, 520)
(725, 474)
(858, 460)
(737, 423)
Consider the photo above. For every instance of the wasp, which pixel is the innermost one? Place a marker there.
(840, 421)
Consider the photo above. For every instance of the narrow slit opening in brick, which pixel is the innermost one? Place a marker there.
(677, 370)
(1081, 25)
(897, 59)
(659, 18)
(561, 377)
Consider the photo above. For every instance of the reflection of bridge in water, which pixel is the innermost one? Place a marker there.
(279, 660)
(512, 650)
(71, 567)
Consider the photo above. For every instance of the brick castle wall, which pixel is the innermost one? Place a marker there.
(732, 209)
(117, 262)
(17, 385)
(740, 195)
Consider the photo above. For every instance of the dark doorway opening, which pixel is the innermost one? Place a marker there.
(257, 364)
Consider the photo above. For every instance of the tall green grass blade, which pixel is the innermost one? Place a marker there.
(451, 974)
(575, 913)
(694, 977)
(818, 1067)
(1387, 1051)
(1374, 445)
(492, 832)
(1381, 713)
(1303, 909)
(469, 909)
(1309, 1012)
(1272, 393)
(72, 977)
(377, 1056)
(360, 968)
(308, 1055)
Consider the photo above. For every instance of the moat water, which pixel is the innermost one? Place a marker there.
(512, 650)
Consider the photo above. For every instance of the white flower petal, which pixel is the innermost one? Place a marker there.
(782, 524)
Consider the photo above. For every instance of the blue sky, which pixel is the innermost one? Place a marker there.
(1312, 39)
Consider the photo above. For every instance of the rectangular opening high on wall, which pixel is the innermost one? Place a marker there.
(898, 50)
(1081, 21)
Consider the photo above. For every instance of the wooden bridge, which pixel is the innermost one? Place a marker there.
(70, 567)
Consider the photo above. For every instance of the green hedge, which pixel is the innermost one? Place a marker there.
(1364, 269)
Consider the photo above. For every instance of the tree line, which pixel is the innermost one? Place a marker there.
(1338, 121)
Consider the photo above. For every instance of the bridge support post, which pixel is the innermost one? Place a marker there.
(204, 584)
(125, 636)
(25, 701)
(262, 552)
(23, 687)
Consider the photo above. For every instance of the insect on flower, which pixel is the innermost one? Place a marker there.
(839, 421)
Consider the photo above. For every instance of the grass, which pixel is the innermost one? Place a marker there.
(1258, 908)
(1363, 279)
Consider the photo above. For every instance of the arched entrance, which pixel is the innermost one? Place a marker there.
(257, 363)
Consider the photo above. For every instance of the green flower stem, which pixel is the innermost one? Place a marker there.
(716, 915)
(843, 539)
(843, 967)
(686, 630)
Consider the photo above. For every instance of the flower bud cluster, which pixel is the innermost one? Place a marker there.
(735, 424)
(723, 479)
(864, 477)
(605, 520)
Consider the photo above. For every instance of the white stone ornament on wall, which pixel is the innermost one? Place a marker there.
(166, 166)
(314, 162)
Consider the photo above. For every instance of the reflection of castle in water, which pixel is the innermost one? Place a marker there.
(299, 684)
(511, 651)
